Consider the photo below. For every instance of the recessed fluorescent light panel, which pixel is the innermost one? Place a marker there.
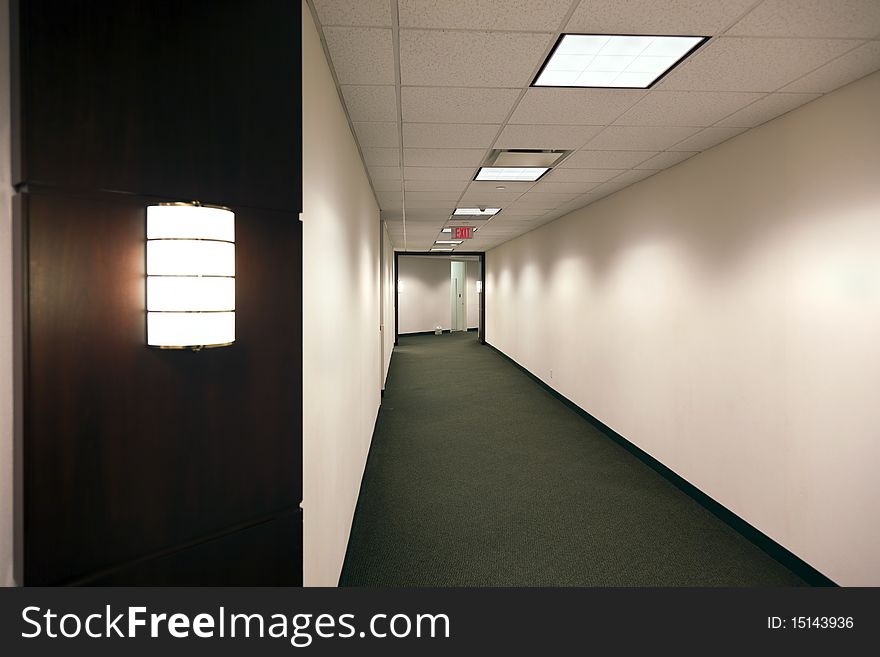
(439, 249)
(448, 241)
(522, 174)
(477, 212)
(612, 60)
(446, 230)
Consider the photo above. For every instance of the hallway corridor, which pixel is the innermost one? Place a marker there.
(477, 476)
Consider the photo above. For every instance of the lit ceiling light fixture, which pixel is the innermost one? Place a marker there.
(446, 230)
(439, 249)
(614, 60)
(519, 164)
(448, 242)
(522, 174)
(477, 212)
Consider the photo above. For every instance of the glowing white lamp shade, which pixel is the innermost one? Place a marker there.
(190, 276)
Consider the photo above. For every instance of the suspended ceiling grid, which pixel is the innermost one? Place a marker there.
(430, 86)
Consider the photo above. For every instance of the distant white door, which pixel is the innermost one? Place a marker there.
(458, 292)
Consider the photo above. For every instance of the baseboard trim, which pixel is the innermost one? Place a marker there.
(783, 555)
(90, 578)
(432, 332)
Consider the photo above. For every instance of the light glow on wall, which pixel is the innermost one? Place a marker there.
(190, 255)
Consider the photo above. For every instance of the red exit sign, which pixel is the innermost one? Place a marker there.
(462, 232)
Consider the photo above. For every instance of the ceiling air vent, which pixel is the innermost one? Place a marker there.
(518, 165)
(524, 158)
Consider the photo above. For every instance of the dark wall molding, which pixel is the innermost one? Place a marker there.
(790, 560)
(137, 465)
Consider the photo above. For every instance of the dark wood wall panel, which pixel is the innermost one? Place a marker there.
(258, 555)
(130, 449)
(194, 99)
(136, 464)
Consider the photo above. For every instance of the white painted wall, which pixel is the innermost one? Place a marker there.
(724, 315)
(5, 308)
(387, 302)
(424, 293)
(341, 301)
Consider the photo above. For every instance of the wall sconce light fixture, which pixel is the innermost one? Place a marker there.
(190, 276)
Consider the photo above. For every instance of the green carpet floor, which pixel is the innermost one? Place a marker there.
(478, 476)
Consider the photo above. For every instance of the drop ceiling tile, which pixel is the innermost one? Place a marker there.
(543, 201)
(377, 134)
(607, 189)
(576, 204)
(543, 16)
(685, 17)
(853, 65)
(769, 107)
(445, 206)
(438, 173)
(384, 173)
(575, 175)
(549, 186)
(370, 103)
(426, 214)
(564, 137)
(470, 59)
(574, 106)
(361, 55)
(519, 210)
(449, 135)
(622, 138)
(389, 198)
(849, 19)
(456, 105)
(492, 187)
(380, 185)
(753, 64)
(435, 185)
(706, 138)
(597, 159)
(552, 215)
(503, 220)
(354, 12)
(448, 197)
(516, 213)
(443, 157)
(385, 157)
(478, 199)
(687, 108)
(667, 159)
(633, 176)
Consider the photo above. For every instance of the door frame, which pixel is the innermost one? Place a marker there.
(481, 331)
(458, 297)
